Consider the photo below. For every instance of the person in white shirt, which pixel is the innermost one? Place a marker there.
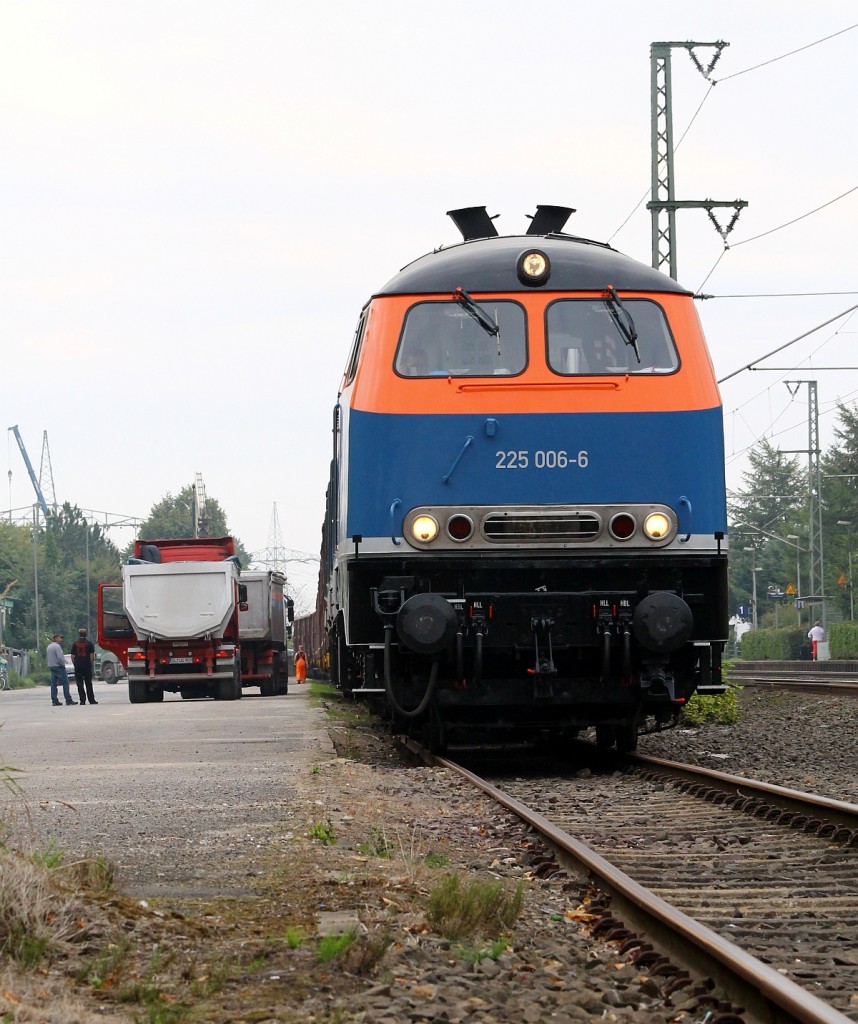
(816, 635)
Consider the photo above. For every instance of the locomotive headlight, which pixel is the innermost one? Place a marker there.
(533, 267)
(424, 528)
(657, 526)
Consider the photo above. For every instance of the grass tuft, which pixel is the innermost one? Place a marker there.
(331, 946)
(375, 845)
(323, 831)
(460, 910)
(35, 914)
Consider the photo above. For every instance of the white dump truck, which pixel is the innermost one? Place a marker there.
(174, 619)
(264, 623)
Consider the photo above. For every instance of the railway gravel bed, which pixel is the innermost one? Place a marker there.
(801, 741)
(786, 897)
(222, 932)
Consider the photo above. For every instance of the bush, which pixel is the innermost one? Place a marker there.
(773, 644)
(843, 641)
(704, 708)
(21, 682)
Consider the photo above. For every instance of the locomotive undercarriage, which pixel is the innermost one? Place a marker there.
(540, 649)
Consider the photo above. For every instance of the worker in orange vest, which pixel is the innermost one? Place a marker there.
(301, 666)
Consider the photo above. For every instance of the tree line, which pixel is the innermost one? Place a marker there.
(770, 525)
(50, 570)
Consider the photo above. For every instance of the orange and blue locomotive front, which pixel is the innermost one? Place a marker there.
(529, 483)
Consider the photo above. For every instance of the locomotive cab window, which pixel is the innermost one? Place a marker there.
(442, 339)
(585, 338)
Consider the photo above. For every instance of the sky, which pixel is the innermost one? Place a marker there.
(197, 197)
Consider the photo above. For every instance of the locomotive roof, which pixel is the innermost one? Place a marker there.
(489, 265)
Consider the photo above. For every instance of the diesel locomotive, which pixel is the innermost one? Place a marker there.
(525, 528)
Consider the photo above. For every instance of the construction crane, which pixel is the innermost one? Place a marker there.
(30, 470)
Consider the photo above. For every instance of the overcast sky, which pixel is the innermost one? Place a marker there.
(196, 198)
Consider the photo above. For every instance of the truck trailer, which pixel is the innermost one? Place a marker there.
(264, 625)
(174, 619)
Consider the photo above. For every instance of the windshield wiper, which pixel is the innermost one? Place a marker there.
(472, 309)
(624, 323)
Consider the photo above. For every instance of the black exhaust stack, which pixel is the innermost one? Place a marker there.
(473, 222)
(549, 219)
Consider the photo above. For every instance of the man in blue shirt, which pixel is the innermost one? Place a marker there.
(57, 665)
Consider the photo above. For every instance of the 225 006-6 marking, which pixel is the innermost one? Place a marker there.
(548, 459)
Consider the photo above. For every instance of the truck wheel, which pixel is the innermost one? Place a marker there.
(108, 672)
(227, 689)
(156, 695)
(137, 691)
(266, 687)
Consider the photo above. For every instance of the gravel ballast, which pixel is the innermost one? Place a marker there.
(359, 841)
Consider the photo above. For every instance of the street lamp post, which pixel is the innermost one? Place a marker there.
(795, 537)
(792, 540)
(847, 522)
(754, 570)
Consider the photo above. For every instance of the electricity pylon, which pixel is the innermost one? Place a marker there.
(46, 474)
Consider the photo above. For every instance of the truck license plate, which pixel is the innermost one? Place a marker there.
(181, 661)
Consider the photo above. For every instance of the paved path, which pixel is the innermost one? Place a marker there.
(165, 789)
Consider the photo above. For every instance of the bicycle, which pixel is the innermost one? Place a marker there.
(4, 679)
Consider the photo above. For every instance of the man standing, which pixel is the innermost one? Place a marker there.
(816, 636)
(57, 665)
(83, 656)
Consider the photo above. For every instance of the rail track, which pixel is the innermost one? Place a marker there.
(750, 884)
(834, 677)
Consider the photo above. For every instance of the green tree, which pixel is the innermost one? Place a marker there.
(175, 516)
(72, 557)
(840, 505)
(16, 580)
(771, 505)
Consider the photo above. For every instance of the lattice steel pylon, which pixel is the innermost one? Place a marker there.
(201, 516)
(274, 556)
(46, 474)
(664, 204)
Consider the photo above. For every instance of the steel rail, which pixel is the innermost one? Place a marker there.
(765, 994)
(828, 687)
(840, 812)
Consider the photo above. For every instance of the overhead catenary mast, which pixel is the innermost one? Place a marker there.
(664, 203)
